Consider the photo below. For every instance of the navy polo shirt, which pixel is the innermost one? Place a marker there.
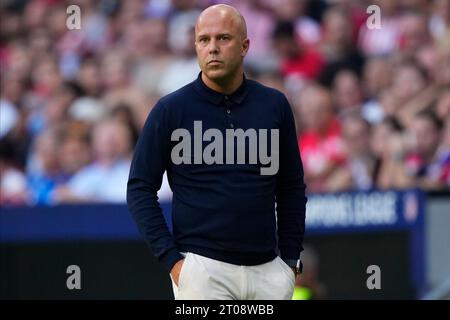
(226, 210)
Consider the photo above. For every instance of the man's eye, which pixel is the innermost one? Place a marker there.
(223, 37)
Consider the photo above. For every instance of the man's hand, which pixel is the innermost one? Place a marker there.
(175, 272)
(294, 270)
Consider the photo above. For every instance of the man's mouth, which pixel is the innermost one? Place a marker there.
(214, 62)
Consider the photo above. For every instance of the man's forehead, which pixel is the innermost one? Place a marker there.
(213, 27)
(218, 20)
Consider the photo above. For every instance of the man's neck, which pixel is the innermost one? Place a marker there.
(225, 86)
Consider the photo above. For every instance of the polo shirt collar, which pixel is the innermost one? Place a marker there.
(216, 97)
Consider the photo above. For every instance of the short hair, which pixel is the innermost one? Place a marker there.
(283, 30)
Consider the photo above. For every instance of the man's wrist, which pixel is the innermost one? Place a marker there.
(295, 264)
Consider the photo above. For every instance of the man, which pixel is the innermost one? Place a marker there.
(226, 237)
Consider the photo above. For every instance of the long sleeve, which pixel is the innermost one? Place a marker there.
(290, 191)
(150, 160)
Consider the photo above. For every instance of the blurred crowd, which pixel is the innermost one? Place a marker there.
(372, 105)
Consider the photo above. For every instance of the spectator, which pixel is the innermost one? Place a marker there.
(294, 11)
(387, 146)
(13, 185)
(116, 79)
(357, 171)
(320, 141)
(74, 151)
(411, 91)
(297, 61)
(184, 66)
(148, 71)
(44, 172)
(260, 23)
(88, 77)
(377, 74)
(347, 92)
(425, 164)
(105, 179)
(384, 40)
(337, 47)
(414, 32)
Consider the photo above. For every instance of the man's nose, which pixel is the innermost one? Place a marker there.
(212, 47)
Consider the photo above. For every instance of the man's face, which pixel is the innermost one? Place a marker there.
(220, 44)
(425, 136)
(356, 137)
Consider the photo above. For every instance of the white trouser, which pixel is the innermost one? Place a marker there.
(204, 278)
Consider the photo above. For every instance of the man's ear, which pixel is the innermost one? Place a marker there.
(245, 46)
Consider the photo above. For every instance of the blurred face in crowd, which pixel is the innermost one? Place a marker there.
(114, 73)
(337, 28)
(34, 14)
(315, 109)
(376, 75)
(156, 34)
(221, 43)
(289, 10)
(46, 75)
(425, 136)
(415, 31)
(105, 146)
(408, 82)
(287, 47)
(356, 135)
(346, 90)
(46, 151)
(89, 77)
(382, 134)
(111, 141)
(74, 154)
(12, 88)
(389, 102)
(20, 63)
(56, 20)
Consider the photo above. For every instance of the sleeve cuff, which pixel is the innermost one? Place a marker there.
(170, 258)
(290, 253)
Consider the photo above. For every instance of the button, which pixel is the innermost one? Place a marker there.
(226, 97)
(231, 125)
(228, 111)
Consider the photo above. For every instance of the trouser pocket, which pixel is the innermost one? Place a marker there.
(287, 270)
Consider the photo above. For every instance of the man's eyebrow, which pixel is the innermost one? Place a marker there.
(203, 35)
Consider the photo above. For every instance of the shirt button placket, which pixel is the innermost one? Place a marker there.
(228, 111)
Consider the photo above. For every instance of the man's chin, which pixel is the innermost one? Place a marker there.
(215, 74)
